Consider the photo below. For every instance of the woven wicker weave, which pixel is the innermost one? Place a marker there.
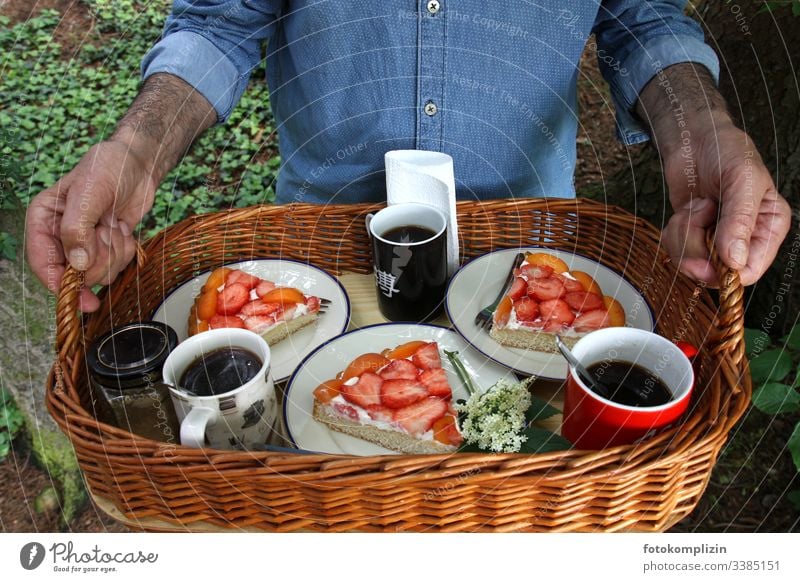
(647, 487)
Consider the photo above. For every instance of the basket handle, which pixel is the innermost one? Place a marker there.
(69, 330)
(729, 336)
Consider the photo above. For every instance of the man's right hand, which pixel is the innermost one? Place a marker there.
(86, 218)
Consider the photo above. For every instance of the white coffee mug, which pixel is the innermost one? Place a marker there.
(240, 418)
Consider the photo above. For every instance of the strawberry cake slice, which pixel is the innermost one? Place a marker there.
(233, 298)
(546, 298)
(399, 399)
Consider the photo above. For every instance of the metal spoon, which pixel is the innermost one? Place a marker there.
(583, 373)
(181, 389)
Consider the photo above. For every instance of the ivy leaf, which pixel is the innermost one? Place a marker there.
(792, 340)
(794, 446)
(5, 445)
(774, 398)
(755, 341)
(539, 410)
(770, 366)
(794, 498)
(543, 441)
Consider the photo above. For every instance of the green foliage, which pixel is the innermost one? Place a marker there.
(8, 246)
(776, 391)
(772, 5)
(11, 421)
(58, 98)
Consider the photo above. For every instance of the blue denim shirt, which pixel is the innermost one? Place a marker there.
(493, 84)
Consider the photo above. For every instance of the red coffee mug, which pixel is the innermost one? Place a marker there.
(594, 422)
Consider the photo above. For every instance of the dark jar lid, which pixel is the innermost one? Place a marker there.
(131, 351)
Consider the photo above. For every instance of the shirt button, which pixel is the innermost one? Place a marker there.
(433, 6)
(431, 109)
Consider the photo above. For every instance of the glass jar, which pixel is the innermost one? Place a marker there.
(125, 375)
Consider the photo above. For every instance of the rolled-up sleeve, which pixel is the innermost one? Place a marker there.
(635, 40)
(213, 46)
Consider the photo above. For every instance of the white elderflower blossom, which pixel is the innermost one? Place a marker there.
(495, 419)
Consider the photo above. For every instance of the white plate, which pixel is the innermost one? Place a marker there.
(287, 353)
(333, 357)
(477, 284)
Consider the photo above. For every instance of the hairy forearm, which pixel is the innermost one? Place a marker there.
(163, 121)
(678, 100)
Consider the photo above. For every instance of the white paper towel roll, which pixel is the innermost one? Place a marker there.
(427, 178)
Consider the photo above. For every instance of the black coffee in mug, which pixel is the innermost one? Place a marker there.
(408, 233)
(409, 250)
(630, 384)
(220, 371)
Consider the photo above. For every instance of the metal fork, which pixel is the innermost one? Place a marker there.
(324, 304)
(485, 315)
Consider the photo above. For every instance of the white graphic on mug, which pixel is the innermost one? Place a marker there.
(386, 283)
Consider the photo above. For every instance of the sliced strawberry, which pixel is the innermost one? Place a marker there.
(584, 301)
(346, 410)
(553, 326)
(591, 320)
(571, 285)
(232, 299)
(264, 287)
(220, 321)
(436, 382)
(365, 392)
(399, 370)
(518, 289)
(246, 280)
(537, 271)
(400, 393)
(287, 314)
(418, 418)
(381, 413)
(313, 304)
(556, 310)
(545, 289)
(527, 309)
(259, 323)
(258, 307)
(427, 357)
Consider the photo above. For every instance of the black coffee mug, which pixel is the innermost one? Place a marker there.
(409, 252)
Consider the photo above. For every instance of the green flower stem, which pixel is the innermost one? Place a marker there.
(462, 372)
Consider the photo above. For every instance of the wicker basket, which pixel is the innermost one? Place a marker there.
(647, 487)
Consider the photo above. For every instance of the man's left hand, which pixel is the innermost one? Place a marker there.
(716, 179)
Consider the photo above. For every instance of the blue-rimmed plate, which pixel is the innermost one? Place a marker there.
(287, 353)
(477, 284)
(333, 357)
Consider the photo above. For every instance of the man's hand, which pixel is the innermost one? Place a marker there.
(86, 218)
(726, 186)
(715, 176)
